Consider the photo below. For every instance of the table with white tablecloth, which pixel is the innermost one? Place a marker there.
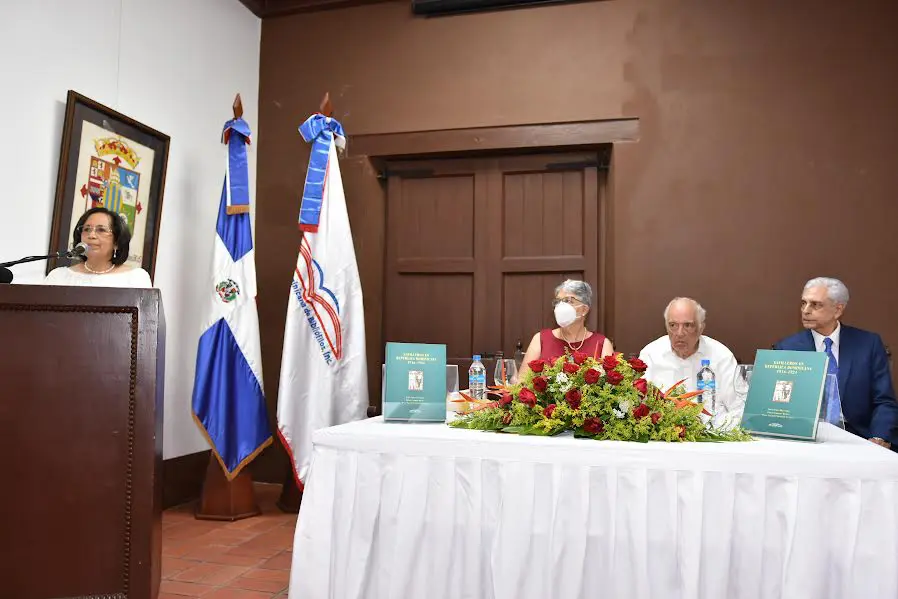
(408, 511)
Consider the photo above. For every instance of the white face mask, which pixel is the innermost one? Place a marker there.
(565, 314)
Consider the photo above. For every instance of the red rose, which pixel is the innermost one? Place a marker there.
(506, 399)
(540, 384)
(536, 365)
(641, 411)
(637, 365)
(573, 398)
(594, 426)
(614, 377)
(656, 416)
(570, 368)
(682, 430)
(609, 362)
(579, 357)
(591, 376)
(527, 397)
(548, 410)
(641, 385)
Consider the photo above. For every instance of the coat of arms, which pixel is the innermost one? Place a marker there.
(227, 290)
(110, 183)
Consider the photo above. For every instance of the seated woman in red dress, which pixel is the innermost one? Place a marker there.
(572, 302)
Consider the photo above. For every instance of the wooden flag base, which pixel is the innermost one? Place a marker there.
(291, 496)
(226, 500)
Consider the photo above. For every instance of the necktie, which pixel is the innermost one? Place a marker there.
(833, 366)
(831, 388)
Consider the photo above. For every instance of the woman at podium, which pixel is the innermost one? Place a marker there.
(107, 239)
(571, 303)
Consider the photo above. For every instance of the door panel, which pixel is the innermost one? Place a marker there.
(543, 213)
(475, 248)
(436, 215)
(425, 295)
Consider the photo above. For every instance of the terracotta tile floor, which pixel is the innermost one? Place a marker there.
(247, 559)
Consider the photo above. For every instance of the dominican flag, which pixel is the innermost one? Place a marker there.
(323, 372)
(228, 400)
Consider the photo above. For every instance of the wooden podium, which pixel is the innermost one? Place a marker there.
(81, 399)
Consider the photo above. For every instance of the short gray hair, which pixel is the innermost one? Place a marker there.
(700, 312)
(580, 290)
(835, 289)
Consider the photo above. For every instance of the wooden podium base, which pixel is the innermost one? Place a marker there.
(291, 496)
(226, 500)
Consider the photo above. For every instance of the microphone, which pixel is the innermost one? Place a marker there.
(78, 250)
(5, 276)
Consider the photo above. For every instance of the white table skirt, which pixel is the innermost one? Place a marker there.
(402, 511)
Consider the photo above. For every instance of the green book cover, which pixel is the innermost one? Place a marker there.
(785, 394)
(415, 382)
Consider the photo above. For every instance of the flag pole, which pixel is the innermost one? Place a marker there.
(291, 494)
(326, 108)
(224, 499)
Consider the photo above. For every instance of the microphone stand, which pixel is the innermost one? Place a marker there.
(36, 258)
(4, 265)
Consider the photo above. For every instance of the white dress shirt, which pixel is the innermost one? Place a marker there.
(818, 340)
(666, 368)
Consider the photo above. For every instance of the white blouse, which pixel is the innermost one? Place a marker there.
(132, 277)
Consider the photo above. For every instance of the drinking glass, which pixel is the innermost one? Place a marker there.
(743, 379)
(831, 408)
(741, 384)
(506, 373)
(453, 397)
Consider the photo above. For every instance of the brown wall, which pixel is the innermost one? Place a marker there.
(765, 125)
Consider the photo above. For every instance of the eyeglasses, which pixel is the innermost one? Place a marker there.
(686, 326)
(567, 300)
(100, 230)
(812, 306)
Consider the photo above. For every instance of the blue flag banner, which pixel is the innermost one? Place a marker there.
(320, 131)
(228, 398)
(236, 134)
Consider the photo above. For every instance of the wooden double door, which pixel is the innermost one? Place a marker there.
(476, 246)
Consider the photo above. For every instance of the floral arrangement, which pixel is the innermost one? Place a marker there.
(603, 399)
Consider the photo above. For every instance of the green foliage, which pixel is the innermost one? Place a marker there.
(597, 399)
(484, 420)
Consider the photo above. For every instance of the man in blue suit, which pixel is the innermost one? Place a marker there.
(857, 357)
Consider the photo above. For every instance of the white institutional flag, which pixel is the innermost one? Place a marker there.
(323, 371)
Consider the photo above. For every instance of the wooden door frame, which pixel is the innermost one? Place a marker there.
(562, 137)
(548, 137)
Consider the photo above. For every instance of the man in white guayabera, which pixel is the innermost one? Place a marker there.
(679, 354)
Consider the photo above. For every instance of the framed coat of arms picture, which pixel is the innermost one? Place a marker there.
(108, 159)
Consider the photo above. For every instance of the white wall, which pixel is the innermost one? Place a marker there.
(174, 65)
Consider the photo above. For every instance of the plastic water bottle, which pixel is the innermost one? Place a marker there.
(477, 378)
(707, 384)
